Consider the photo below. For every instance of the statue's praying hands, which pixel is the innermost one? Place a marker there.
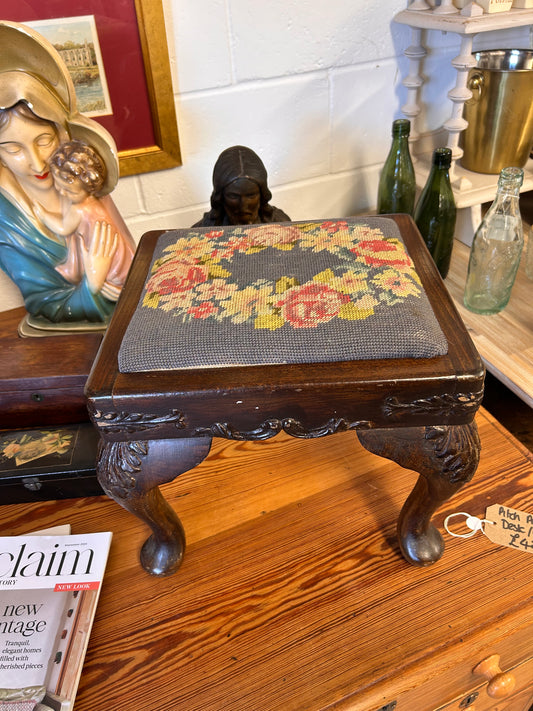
(98, 257)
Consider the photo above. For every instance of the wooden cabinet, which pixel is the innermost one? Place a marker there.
(521, 699)
(294, 596)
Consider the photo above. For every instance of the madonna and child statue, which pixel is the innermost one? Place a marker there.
(62, 241)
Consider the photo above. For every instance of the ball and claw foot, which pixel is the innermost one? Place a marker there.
(162, 559)
(421, 548)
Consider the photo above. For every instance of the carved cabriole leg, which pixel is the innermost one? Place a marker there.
(446, 457)
(130, 473)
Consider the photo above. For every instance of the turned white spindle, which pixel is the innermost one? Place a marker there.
(419, 5)
(414, 80)
(445, 8)
(458, 95)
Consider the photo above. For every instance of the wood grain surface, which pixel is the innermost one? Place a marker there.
(504, 340)
(42, 379)
(293, 593)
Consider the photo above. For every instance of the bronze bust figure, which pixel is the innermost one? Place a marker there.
(240, 191)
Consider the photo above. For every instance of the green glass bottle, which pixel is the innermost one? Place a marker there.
(435, 211)
(397, 183)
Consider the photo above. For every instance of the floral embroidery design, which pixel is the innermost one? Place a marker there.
(193, 277)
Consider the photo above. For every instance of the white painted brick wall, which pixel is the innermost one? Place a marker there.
(311, 85)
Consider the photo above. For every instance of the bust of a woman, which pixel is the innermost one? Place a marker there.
(37, 116)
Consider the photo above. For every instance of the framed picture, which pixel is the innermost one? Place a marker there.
(129, 77)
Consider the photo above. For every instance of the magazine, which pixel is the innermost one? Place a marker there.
(49, 587)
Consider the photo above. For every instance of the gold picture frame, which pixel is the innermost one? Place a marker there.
(165, 153)
(131, 37)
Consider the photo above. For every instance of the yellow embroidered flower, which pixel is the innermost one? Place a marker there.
(358, 310)
(272, 321)
(350, 282)
(396, 282)
(190, 250)
(285, 283)
(245, 303)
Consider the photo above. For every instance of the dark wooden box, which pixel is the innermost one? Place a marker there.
(39, 464)
(41, 393)
(42, 379)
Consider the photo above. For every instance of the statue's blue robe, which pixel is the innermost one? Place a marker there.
(29, 258)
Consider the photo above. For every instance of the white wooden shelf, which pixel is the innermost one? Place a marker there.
(461, 25)
(470, 189)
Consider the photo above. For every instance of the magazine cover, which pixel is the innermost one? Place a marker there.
(49, 589)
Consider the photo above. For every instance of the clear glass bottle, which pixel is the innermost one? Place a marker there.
(397, 183)
(496, 249)
(436, 212)
(529, 255)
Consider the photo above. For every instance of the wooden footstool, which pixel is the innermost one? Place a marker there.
(307, 328)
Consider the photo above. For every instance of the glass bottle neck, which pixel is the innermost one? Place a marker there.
(510, 182)
(506, 203)
(508, 193)
(438, 171)
(509, 190)
(401, 128)
(400, 140)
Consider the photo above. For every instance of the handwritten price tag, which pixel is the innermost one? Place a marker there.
(509, 527)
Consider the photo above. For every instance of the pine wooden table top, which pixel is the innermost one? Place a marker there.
(293, 593)
(504, 340)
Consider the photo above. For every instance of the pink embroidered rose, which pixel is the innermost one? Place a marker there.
(227, 250)
(271, 236)
(183, 278)
(308, 305)
(377, 253)
(203, 310)
(335, 226)
(215, 290)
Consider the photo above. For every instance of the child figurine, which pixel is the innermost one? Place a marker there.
(90, 224)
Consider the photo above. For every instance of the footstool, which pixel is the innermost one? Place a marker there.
(310, 328)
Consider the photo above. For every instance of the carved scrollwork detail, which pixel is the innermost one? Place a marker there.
(458, 447)
(268, 429)
(445, 404)
(133, 421)
(335, 424)
(292, 427)
(119, 464)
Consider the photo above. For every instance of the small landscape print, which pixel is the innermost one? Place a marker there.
(20, 448)
(76, 40)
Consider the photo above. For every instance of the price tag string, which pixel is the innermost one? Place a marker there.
(474, 523)
(502, 525)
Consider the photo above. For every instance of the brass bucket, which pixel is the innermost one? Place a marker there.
(500, 112)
